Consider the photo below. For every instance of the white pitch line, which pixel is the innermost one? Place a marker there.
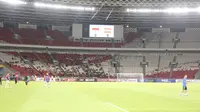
(124, 110)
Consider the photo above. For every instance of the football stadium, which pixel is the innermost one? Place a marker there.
(99, 56)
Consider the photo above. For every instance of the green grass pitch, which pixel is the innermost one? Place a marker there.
(99, 97)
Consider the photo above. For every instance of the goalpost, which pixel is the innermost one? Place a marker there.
(130, 77)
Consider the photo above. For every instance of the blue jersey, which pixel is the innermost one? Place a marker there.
(184, 82)
(47, 78)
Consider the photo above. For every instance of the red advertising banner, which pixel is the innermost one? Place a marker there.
(112, 80)
(70, 79)
(102, 80)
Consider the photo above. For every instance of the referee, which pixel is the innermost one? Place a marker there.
(27, 79)
(16, 77)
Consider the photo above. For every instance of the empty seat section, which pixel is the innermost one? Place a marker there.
(25, 33)
(40, 34)
(176, 74)
(77, 44)
(98, 44)
(6, 33)
(118, 45)
(56, 34)
(10, 40)
(85, 44)
(29, 41)
(44, 42)
(60, 43)
(131, 36)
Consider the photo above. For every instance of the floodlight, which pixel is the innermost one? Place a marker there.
(90, 8)
(198, 9)
(14, 2)
(58, 6)
(176, 10)
(43, 5)
(143, 10)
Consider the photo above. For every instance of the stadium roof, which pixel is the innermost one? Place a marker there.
(100, 11)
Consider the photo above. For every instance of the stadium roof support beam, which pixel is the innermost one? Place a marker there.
(174, 63)
(97, 12)
(159, 58)
(144, 63)
(109, 14)
(92, 50)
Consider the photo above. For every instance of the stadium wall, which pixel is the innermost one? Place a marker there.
(115, 80)
(118, 32)
(197, 75)
(77, 30)
(41, 79)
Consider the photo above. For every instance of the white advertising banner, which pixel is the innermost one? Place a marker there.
(39, 79)
(127, 80)
(27, 26)
(189, 80)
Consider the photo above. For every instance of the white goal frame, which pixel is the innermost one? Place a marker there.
(130, 77)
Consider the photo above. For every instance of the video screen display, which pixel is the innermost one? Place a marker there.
(102, 31)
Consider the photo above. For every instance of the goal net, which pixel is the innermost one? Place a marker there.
(130, 77)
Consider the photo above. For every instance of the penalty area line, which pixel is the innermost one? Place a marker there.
(119, 108)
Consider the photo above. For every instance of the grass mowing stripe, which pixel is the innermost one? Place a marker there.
(90, 97)
(124, 110)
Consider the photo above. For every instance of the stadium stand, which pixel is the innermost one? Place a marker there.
(166, 42)
(42, 62)
(38, 37)
(99, 55)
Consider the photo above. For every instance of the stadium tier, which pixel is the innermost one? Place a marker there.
(39, 37)
(42, 62)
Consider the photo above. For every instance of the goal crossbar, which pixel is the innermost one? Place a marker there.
(130, 77)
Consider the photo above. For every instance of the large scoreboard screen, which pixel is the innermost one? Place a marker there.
(101, 31)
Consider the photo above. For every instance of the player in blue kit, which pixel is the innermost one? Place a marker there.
(184, 85)
(47, 80)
